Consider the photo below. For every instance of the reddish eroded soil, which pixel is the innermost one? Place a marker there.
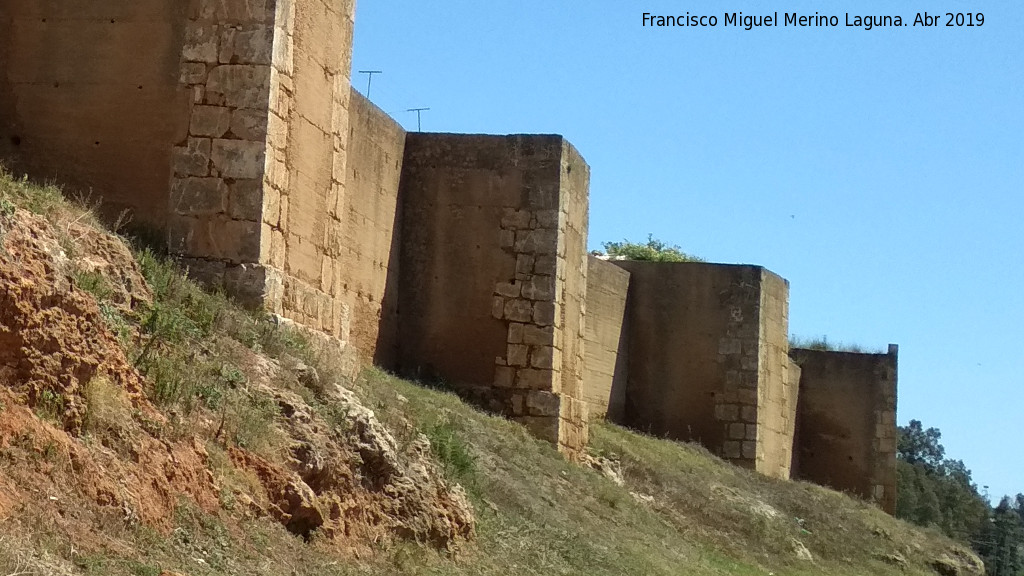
(53, 340)
(352, 486)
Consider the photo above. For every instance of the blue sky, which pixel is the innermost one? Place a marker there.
(881, 172)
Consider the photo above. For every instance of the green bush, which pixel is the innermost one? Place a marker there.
(653, 250)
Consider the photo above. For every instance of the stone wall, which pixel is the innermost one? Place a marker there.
(846, 422)
(89, 97)
(461, 258)
(257, 197)
(698, 334)
(777, 387)
(371, 231)
(606, 340)
(493, 275)
(571, 269)
(307, 152)
(218, 168)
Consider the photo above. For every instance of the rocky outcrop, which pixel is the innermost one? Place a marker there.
(354, 480)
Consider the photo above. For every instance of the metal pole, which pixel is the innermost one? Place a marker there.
(369, 79)
(419, 119)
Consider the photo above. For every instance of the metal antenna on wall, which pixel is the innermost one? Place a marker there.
(369, 79)
(419, 119)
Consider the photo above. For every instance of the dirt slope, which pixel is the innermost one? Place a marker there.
(82, 446)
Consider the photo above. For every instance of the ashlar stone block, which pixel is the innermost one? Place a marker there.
(238, 158)
(210, 121)
(239, 86)
(198, 196)
(193, 159)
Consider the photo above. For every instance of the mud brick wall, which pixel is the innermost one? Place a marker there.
(372, 231)
(89, 96)
(846, 422)
(303, 234)
(493, 271)
(696, 340)
(606, 340)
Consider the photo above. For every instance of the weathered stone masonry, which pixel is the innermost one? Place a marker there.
(258, 186)
(846, 425)
(217, 169)
(89, 96)
(231, 125)
(493, 274)
(707, 360)
(704, 355)
(250, 175)
(607, 339)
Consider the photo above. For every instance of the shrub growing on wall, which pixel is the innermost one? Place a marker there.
(653, 250)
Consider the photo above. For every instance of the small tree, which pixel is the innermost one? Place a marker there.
(653, 250)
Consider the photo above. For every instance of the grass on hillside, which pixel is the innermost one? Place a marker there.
(680, 510)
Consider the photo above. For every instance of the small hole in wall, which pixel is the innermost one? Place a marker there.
(112, 20)
(44, 20)
(850, 458)
(96, 143)
(16, 140)
(56, 84)
(140, 86)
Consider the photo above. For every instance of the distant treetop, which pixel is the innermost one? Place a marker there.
(653, 250)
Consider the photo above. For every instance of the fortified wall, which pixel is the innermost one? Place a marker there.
(705, 349)
(493, 274)
(701, 353)
(233, 128)
(846, 422)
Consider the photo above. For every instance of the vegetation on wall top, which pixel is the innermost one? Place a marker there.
(823, 344)
(653, 250)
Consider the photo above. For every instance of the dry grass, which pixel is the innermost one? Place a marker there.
(822, 343)
(681, 510)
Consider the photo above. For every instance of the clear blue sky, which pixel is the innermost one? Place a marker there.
(881, 172)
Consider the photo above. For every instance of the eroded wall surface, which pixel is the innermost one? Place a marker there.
(693, 351)
(493, 274)
(217, 197)
(776, 398)
(89, 96)
(846, 422)
(571, 270)
(369, 259)
(606, 339)
(703, 344)
(303, 233)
